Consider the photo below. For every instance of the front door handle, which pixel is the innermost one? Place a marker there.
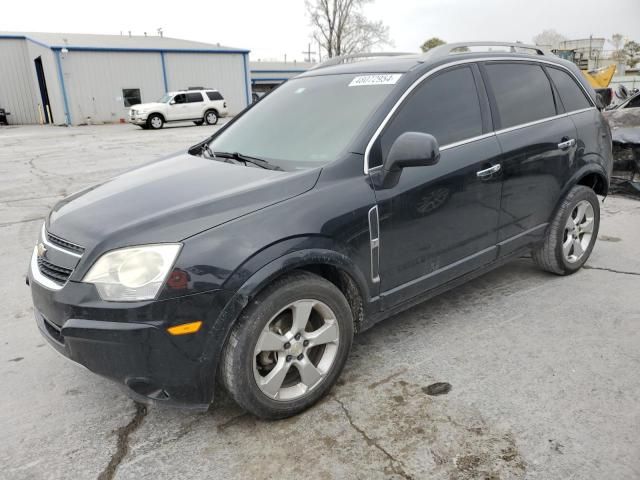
(567, 143)
(487, 172)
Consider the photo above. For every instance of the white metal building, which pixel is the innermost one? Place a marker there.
(266, 75)
(76, 78)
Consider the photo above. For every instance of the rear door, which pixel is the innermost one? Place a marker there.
(441, 221)
(594, 137)
(195, 105)
(539, 145)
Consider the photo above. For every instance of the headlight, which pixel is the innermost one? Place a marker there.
(132, 273)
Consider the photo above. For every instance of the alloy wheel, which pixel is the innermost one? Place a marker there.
(296, 350)
(578, 231)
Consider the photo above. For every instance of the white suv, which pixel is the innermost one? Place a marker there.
(199, 106)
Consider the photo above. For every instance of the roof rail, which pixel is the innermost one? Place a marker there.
(354, 57)
(463, 47)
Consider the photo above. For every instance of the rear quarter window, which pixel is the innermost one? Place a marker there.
(571, 95)
(522, 91)
(214, 96)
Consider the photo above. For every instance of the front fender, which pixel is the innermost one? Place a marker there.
(247, 284)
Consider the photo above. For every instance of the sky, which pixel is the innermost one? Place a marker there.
(275, 28)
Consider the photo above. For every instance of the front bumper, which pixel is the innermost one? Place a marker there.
(128, 342)
(138, 119)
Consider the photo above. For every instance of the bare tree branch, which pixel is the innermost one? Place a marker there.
(340, 27)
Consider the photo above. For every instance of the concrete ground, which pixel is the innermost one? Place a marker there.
(544, 371)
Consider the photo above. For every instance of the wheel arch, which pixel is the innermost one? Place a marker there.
(160, 114)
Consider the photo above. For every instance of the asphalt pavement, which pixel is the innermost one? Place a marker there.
(517, 374)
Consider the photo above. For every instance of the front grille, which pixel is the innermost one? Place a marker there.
(53, 272)
(72, 247)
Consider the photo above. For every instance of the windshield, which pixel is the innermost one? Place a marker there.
(307, 122)
(165, 98)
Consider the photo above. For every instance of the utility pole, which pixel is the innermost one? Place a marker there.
(308, 53)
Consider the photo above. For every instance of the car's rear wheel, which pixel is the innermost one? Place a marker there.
(155, 121)
(289, 346)
(572, 234)
(211, 117)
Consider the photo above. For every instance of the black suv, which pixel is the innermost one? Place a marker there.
(350, 193)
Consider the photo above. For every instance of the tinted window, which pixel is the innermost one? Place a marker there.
(131, 96)
(571, 94)
(193, 97)
(446, 106)
(634, 102)
(523, 93)
(214, 96)
(180, 98)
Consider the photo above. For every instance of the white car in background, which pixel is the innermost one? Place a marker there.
(197, 105)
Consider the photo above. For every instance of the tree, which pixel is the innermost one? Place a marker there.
(632, 52)
(432, 43)
(617, 40)
(549, 38)
(340, 27)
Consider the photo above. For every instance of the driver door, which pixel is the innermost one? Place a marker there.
(439, 222)
(178, 108)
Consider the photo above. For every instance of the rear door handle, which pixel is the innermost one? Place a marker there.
(487, 172)
(567, 143)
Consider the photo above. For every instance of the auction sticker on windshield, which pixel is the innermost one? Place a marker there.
(379, 79)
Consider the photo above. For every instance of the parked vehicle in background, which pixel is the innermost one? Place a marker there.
(203, 106)
(350, 193)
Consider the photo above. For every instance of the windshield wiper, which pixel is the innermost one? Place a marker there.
(259, 162)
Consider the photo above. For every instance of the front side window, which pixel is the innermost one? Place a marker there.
(194, 97)
(522, 91)
(180, 98)
(307, 122)
(131, 96)
(571, 95)
(445, 106)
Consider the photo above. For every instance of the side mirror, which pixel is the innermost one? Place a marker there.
(412, 149)
(172, 102)
(600, 105)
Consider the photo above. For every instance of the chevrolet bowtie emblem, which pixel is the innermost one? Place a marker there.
(41, 249)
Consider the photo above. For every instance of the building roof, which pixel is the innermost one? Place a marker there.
(281, 67)
(86, 41)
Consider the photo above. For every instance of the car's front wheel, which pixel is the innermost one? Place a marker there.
(155, 121)
(572, 234)
(289, 346)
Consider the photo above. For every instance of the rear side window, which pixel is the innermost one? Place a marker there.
(572, 96)
(193, 97)
(214, 96)
(446, 106)
(522, 91)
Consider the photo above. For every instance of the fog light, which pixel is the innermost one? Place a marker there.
(185, 328)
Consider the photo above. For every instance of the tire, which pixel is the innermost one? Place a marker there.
(155, 121)
(198, 122)
(211, 117)
(268, 322)
(572, 234)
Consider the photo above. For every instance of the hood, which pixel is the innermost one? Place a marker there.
(148, 106)
(170, 200)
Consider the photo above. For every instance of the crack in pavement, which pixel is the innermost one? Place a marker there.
(122, 447)
(612, 270)
(397, 466)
